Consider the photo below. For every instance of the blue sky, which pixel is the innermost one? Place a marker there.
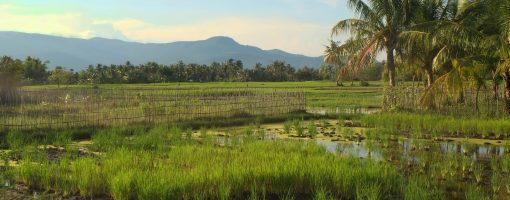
(297, 26)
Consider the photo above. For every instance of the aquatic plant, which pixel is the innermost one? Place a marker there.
(189, 134)
(152, 140)
(417, 189)
(369, 192)
(312, 130)
(248, 131)
(496, 183)
(299, 128)
(107, 139)
(322, 194)
(89, 178)
(203, 132)
(287, 126)
(59, 138)
(475, 193)
(17, 140)
(478, 172)
(324, 123)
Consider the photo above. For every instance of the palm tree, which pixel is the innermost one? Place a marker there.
(449, 40)
(420, 45)
(376, 29)
(333, 56)
(502, 44)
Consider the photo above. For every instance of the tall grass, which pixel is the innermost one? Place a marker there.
(260, 168)
(439, 124)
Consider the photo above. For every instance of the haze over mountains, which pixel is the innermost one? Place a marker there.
(77, 54)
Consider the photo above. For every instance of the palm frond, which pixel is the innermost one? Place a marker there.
(365, 12)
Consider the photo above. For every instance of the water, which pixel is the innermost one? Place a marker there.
(409, 148)
(341, 110)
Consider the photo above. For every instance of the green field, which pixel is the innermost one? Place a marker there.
(318, 93)
(345, 155)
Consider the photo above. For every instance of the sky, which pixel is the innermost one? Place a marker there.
(296, 26)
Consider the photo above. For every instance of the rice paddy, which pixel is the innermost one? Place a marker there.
(335, 154)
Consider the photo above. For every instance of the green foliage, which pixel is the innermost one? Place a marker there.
(368, 192)
(436, 124)
(287, 127)
(203, 132)
(152, 140)
(248, 131)
(175, 135)
(475, 193)
(210, 172)
(300, 131)
(89, 177)
(123, 186)
(17, 139)
(60, 76)
(312, 130)
(60, 138)
(108, 139)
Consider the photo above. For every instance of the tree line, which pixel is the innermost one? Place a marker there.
(33, 71)
(452, 44)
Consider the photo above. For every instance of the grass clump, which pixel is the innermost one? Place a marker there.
(312, 130)
(300, 130)
(17, 139)
(287, 127)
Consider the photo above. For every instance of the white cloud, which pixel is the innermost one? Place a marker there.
(267, 33)
(283, 34)
(62, 24)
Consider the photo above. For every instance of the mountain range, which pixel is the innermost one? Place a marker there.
(77, 53)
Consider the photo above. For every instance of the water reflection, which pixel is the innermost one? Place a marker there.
(409, 148)
(341, 110)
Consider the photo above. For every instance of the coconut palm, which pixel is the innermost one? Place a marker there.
(332, 55)
(448, 41)
(376, 29)
(501, 42)
(419, 44)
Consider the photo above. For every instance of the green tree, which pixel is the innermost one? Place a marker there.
(333, 56)
(460, 56)
(35, 70)
(421, 44)
(11, 72)
(60, 76)
(501, 43)
(376, 29)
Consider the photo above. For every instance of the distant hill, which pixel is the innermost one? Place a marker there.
(79, 53)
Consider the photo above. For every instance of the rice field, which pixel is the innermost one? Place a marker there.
(342, 152)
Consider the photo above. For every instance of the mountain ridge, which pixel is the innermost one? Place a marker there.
(76, 53)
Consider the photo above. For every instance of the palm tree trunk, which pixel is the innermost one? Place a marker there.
(494, 85)
(390, 65)
(507, 92)
(430, 75)
(476, 98)
(495, 90)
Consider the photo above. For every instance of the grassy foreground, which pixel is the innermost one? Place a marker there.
(167, 163)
